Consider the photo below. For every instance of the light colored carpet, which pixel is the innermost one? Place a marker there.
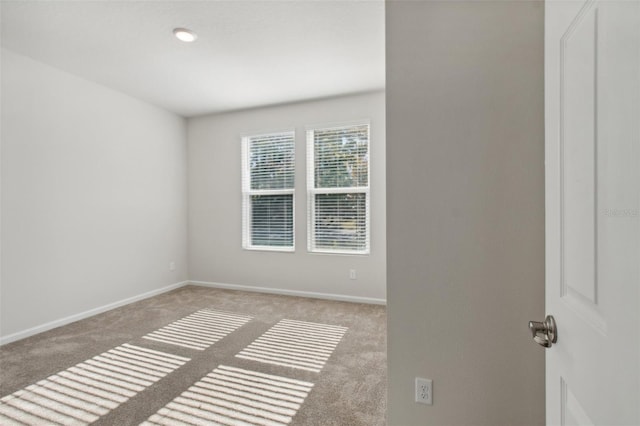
(199, 330)
(82, 394)
(296, 344)
(232, 396)
(204, 356)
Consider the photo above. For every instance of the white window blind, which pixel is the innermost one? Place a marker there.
(268, 191)
(338, 189)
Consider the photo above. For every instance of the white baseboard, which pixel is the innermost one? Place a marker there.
(284, 292)
(86, 314)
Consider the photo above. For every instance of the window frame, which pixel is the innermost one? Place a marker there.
(247, 193)
(312, 191)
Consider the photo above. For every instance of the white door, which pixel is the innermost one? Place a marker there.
(592, 119)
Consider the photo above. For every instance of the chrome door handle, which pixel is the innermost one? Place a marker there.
(544, 333)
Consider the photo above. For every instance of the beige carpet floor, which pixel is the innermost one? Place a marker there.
(204, 356)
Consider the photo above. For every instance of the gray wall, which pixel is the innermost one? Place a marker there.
(465, 210)
(215, 204)
(93, 196)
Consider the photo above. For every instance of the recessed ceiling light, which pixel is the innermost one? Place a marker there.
(185, 35)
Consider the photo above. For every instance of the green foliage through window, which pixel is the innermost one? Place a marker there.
(339, 189)
(340, 221)
(268, 191)
(272, 220)
(271, 162)
(341, 157)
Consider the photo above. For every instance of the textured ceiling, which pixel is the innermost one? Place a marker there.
(248, 53)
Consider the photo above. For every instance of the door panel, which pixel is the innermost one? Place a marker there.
(578, 150)
(592, 115)
(572, 413)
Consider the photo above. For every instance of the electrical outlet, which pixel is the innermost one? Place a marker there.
(352, 274)
(172, 266)
(424, 391)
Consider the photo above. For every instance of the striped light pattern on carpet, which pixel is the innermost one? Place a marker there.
(83, 393)
(297, 344)
(200, 329)
(233, 396)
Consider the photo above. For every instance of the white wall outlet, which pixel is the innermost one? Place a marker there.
(353, 275)
(424, 391)
(172, 266)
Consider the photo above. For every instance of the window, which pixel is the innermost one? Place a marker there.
(338, 189)
(268, 191)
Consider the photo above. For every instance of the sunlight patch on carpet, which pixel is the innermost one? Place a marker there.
(200, 329)
(83, 393)
(234, 396)
(297, 344)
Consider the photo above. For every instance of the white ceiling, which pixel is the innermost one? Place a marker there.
(248, 53)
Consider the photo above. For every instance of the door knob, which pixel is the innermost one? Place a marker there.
(544, 333)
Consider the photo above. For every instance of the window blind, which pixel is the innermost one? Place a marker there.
(338, 189)
(268, 191)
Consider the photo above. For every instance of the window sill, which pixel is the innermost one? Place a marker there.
(339, 252)
(271, 249)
